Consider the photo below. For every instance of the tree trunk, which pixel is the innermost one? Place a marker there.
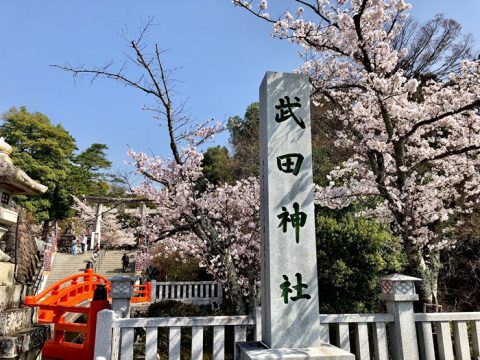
(428, 271)
(235, 293)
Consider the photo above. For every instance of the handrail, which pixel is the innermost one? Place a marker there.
(38, 278)
(64, 297)
(29, 300)
(96, 265)
(160, 283)
(450, 316)
(356, 318)
(78, 288)
(240, 320)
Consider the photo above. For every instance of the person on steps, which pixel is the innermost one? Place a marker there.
(74, 247)
(125, 261)
(84, 243)
(94, 257)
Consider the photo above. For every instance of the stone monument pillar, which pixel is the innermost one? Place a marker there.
(290, 309)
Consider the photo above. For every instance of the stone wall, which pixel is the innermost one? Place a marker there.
(28, 258)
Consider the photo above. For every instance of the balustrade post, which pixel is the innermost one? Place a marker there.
(258, 323)
(153, 291)
(103, 335)
(398, 291)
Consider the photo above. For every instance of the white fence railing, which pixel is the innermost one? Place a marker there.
(442, 324)
(354, 329)
(115, 336)
(400, 334)
(193, 292)
(364, 335)
(344, 326)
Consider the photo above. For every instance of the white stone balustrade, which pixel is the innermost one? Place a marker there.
(191, 292)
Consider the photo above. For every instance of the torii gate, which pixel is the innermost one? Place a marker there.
(119, 207)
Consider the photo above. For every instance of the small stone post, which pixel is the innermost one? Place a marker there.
(98, 225)
(143, 211)
(153, 291)
(104, 335)
(121, 292)
(399, 293)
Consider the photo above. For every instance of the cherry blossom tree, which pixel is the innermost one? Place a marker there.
(218, 225)
(415, 144)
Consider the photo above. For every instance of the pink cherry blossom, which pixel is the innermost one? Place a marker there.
(416, 145)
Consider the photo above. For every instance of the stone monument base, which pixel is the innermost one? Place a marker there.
(259, 351)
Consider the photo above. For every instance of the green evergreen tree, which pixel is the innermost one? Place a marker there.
(217, 165)
(46, 152)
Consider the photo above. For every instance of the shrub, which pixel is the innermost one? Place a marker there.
(352, 253)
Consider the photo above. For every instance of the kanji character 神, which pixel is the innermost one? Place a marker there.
(298, 220)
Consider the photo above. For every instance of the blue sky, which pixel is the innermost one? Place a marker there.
(221, 53)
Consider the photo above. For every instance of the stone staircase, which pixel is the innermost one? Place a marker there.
(65, 265)
(109, 264)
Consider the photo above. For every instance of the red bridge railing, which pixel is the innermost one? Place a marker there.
(58, 305)
(141, 293)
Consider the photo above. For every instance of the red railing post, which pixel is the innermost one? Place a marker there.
(149, 292)
(59, 335)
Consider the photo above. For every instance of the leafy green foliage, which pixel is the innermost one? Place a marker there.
(352, 253)
(325, 155)
(217, 165)
(244, 138)
(46, 153)
(86, 174)
(94, 158)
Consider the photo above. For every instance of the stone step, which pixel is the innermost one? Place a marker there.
(25, 343)
(65, 265)
(15, 320)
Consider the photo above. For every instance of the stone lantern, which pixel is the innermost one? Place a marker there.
(13, 181)
(398, 291)
(398, 287)
(121, 293)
